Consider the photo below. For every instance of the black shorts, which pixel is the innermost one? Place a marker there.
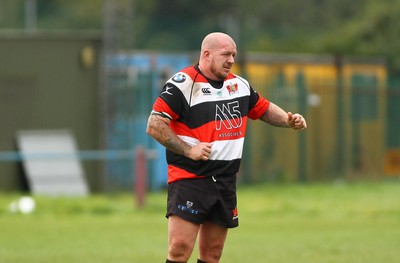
(205, 199)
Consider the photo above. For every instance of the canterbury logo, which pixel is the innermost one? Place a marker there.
(206, 90)
(228, 115)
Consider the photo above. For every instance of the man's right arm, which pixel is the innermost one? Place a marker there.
(158, 128)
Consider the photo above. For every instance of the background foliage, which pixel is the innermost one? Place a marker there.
(359, 27)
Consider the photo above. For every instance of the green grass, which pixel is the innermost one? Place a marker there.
(358, 222)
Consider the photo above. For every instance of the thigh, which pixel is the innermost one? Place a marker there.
(179, 228)
(182, 236)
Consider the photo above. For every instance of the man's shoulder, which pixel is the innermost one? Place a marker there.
(190, 71)
(184, 78)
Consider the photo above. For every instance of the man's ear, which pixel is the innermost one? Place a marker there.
(206, 54)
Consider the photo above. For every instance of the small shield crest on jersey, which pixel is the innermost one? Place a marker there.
(179, 78)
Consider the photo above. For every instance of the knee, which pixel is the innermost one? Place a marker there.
(180, 250)
(211, 253)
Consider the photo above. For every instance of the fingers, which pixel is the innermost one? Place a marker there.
(201, 151)
(290, 116)
(297, 121)
(205, 150)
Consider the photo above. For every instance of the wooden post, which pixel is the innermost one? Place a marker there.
(140, 182)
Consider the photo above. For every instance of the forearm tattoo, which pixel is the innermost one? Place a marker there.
(159, 129)
(275, 116)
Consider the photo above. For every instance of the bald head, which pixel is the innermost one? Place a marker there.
(216, 40)
(218, 52)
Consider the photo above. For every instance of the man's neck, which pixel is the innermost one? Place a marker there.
(215, 83)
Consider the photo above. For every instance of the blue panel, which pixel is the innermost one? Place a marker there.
(132, 90)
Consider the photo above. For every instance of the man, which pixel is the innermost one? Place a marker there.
(200, 117)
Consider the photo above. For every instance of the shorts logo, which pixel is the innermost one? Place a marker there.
(179, 78)
(235, 213)
(188, 208)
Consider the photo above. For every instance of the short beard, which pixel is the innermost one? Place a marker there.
(218, 75)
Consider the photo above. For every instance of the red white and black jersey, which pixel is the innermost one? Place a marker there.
(203, 110)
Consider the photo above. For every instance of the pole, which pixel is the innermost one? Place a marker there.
(302, 145)
(30, 15)
(140, 185)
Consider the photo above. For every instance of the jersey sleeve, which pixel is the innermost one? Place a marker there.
(170, 102)
(258, 105)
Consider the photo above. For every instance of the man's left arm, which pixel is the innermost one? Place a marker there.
(276, 116)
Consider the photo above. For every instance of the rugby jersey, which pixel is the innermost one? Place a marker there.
(203, 110)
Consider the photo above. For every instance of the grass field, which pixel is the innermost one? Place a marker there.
(338, 223)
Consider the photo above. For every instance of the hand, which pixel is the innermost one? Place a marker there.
(296, 121)
(200, 151)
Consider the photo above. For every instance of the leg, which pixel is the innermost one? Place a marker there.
(182, 236)
(211, 242)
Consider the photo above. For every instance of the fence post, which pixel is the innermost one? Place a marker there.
(140, 182)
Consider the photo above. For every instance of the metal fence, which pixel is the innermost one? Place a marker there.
(134, 80)
(345, 101)
(352, 108)
(346, 104)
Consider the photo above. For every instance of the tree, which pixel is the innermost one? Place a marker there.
(374, 31)
(360, 27)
